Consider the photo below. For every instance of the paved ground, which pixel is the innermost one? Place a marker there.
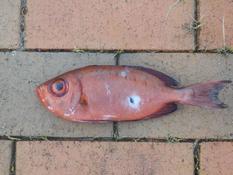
(190, 40)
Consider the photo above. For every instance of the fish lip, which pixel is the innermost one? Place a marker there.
(38, 92)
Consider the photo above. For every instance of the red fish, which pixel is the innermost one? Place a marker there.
(122, 93)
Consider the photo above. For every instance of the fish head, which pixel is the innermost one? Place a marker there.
(61, 94)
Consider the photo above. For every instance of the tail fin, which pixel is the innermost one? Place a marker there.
(204, 94)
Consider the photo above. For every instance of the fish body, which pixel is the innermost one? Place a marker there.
(121, 93)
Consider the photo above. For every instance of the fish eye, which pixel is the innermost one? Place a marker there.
(58, 87)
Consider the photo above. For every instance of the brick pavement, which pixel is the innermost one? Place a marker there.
(5, 157)
(113, 25)
(97, 158)
(216, 158)
(9, 24)
(217, 26)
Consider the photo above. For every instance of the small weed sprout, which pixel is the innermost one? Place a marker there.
(171, 139)
(78, 50)
(194, 25)
(118, 53)
(225, 50)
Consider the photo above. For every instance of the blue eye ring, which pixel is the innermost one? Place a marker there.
(58, 87)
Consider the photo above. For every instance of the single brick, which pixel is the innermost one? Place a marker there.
(9, 24)
(187, 121)
(113, 24)
(216, 158)
(5, 157)
(217, 24)
(98, 158)
(22, 113)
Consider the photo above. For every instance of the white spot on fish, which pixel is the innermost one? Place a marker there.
(134, 101)
(50, 108)
(71, 111)
(124, 73)
(108, 117)
(67, 114)
(44, 99)
(107, 87)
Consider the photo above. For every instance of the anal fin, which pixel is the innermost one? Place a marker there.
(166, 109)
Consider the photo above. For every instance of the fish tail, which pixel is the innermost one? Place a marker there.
(203, 94)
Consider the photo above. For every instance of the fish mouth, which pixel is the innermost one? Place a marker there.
(38, 92)
(40, 95)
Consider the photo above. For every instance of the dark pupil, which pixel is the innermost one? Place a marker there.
(59, 86)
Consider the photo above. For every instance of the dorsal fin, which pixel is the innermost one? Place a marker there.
(163, 77)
